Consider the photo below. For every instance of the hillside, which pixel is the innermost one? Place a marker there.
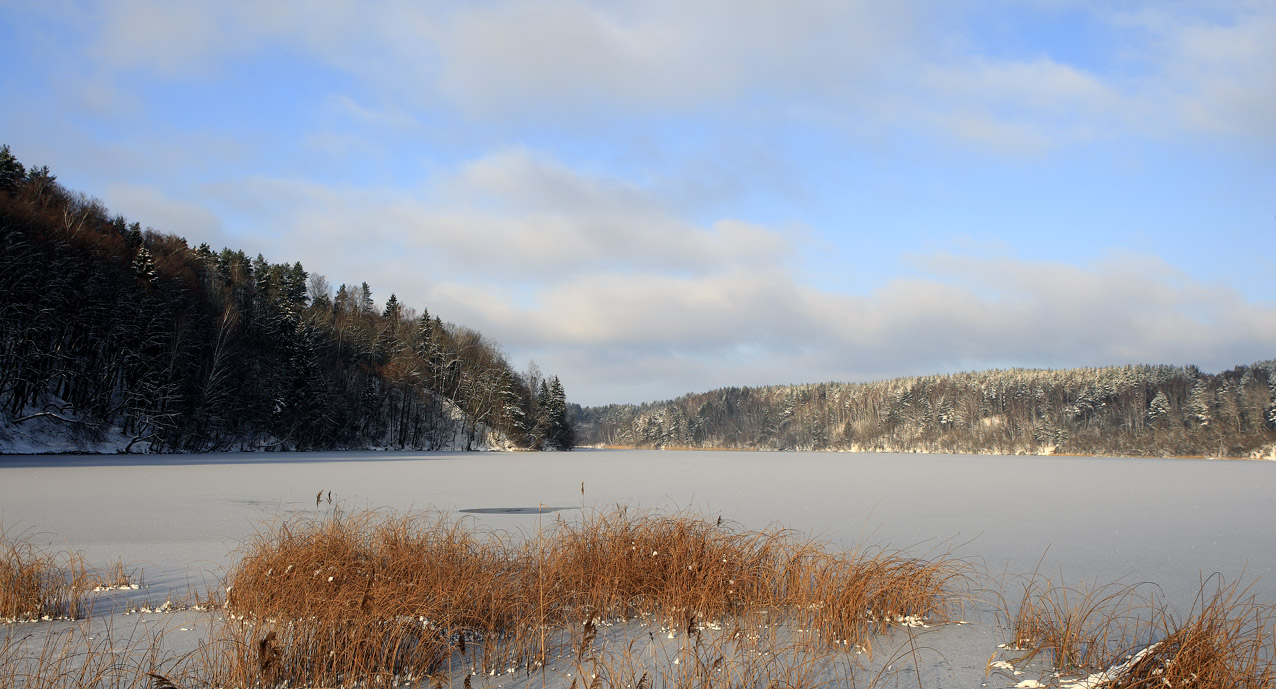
(115, 338)
(1128, 410)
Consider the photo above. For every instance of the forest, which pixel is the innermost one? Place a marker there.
(112, 332)
(1114, 411)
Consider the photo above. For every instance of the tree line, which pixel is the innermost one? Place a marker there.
(107, 329)
(1126, 410)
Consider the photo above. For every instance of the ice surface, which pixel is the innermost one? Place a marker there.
(1169, 521)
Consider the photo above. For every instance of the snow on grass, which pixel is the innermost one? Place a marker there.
(183, 517)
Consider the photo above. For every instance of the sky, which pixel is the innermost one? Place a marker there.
(658, 197)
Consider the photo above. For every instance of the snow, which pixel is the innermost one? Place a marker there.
(1109, 675)
(52, 435)
(179, 518)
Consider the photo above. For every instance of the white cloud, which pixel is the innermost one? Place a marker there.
(607, 278)
(168, 38)
(651, 306)
(566, 55)
(595, 278)
(1021, 107)
(1218, 76)
(153, 208)
(510, 216)
(971, 313)
(372, 116)
(893, 65)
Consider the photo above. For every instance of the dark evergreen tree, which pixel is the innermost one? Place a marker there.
(12, 173)
(555, 427)
(106, 328)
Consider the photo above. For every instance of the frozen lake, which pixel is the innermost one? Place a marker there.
(1168, 521)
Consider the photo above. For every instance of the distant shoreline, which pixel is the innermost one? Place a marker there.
(682, 448)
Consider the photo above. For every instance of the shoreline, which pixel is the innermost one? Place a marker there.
(1270, 456)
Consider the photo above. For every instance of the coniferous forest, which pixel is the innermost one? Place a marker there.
(109, 332)
(112, 332)
(1128, 410)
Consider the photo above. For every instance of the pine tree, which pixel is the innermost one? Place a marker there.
(144, 265)
(393, 311)
(363, 299)
(1199, 404)
(12, 173)
(341, 303)
(558, 431)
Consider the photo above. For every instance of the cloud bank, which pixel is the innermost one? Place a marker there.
(595, 278)
(655, 197)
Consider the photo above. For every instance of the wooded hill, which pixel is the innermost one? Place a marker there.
(1128, 410)
(114, 335)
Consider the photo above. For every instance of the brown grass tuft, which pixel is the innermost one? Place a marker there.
(1129, 640)
(1082, 629)
(375, 594)
(1228, 640)
(377, 598)
(370, 594)
(37, 583)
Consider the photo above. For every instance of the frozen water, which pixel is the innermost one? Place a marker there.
(1169, 521)
(1174, 522)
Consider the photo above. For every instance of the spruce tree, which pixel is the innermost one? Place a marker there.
(12, 173)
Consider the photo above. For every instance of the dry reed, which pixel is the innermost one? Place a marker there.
(116, 576)
(75, 658)
(38, 583)
(1129, 640)
(1082, 628)
(374, 598)
(368, 596)
(1228, 640)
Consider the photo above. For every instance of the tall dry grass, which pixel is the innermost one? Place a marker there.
(76, 658)
(377, 598)
(1227, 640)
(682, 569)
(1128, 639)
(373, 595)
(626, 563)
(368, 595)
(38, 583)
(1083, 628)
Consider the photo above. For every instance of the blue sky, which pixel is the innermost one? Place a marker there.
(653, 198)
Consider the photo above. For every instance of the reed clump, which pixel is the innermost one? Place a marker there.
(849, 597)
(1228, 640)
(373, 595)
(1082, 628)
(681, 568)
(1129, 639)
(360, 596)
(115, 576)
(40, 583)
(626, 563)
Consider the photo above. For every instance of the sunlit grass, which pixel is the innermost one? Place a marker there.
(377, 594)
(1123, 637)
(40, 583)
(620, 599)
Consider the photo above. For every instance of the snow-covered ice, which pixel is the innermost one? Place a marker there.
(179, 518)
